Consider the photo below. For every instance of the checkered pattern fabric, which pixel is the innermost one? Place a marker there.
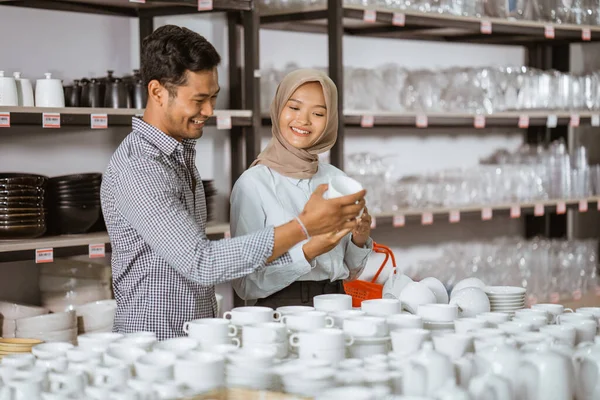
(164, 268)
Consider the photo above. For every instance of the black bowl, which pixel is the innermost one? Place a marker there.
(13, 178)
(28, 231)
(74, 219)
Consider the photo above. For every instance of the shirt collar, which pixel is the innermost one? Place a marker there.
(158, 138)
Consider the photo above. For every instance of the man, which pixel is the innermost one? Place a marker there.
(164, 268)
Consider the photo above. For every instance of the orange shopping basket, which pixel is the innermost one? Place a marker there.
(364, 290)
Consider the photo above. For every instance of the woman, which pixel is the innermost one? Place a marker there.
(278, 185)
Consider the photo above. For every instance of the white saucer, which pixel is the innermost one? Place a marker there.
(436, 325)
(504, 290)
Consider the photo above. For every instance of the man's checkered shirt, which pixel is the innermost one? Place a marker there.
(164, 268)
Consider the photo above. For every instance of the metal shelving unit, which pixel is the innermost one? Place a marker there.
(244, 112)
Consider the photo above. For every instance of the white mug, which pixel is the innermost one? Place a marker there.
(68, 382)
(365, 327)
(111, 376)
(381, 307)
(251, 315)
(332, 302)
(404, 321)
(267, 332)
(408, 341)
(308, 321)
(210, 330)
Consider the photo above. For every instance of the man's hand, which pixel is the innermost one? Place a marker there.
(322, 216)
(321, 244)
(362, 232)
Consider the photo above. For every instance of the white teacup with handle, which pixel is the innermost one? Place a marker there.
(210, 331)
(308, 321)
(340, 186)
(252, 315)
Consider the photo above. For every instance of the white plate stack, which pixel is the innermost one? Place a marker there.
(506, 299)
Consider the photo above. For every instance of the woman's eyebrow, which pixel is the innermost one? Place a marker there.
(298, 101)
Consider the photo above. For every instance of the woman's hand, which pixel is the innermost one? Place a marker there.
(362, 232)
(321, 244)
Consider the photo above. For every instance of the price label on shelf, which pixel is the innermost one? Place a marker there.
(99, 121)
(479, 121)
(538, 210)
(454, 216)
(552, 121)
(486, 27)
(138, 1)
(44, 256)
(373, 222)
(549, 32)
(227, 234)
(486, 214)
(421, 121)
(575, 120)
(205, 5)
(370, 16)
(595, 119)
(583, 205)
(426, 218)
(224, 122)
(399, 19)
(4, 120)
(367, 121)
(561, 207)
(97, 250)
(586, 34)
(399, 221)
(51, 120)
(524, 121)
(515, 211)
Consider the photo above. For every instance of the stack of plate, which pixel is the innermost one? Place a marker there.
(16, 346)
(74, 201)
(22, 213)
(209, 194)
(506, 299)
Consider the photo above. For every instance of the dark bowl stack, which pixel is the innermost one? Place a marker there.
(22, 212)
(209, 194)
(74, 203)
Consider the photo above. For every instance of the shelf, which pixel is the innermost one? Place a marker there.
(429, 26)
(445, 213)
(81, 116)
(443, 120)
(14, 250)
(130, 8)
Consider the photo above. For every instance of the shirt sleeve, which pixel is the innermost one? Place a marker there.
(356, 257)
(151, 204)
(247, 216)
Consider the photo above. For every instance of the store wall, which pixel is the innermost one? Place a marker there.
(76, 45)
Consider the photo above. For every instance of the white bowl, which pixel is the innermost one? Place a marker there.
(505, 290)
(438, 312)
(17, 311)
(96, 315)
(471, 301)
(67, 335)
(51, 350)
(438, 289)
(468, 282)
(48, 322)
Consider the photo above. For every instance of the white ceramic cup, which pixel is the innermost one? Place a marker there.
(97, 341)
(366, 326)
(267, 332)
(453, 345)
(111, 376)
(58, 364)
(340, 186)
(340, 316)
(554, 309)
(69, 382)
(471, 301)
(408, 341)
(78, 355)
(464, 325)
(332, 302)
(251, 315)
(467, 282)
(516, 326)
(415, 294)
(536, 320)
(142, 342)
(494, 318)
(321, 339)
(19, 360)
(286, 310)
(120, 354)
(564, 333)
(200, 371)
(438, 312)
(585, 330)
(438, 289)
(404, 321)
(22, 388)
(257, 358)
(51, 350)
(595, 311)
(210, 331)
(564, 318)
(381, 307)
(308, 321)
(178, 346)
(155, 367)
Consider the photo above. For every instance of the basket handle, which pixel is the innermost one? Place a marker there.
(379, 248)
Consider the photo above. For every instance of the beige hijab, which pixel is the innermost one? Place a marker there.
(282, 156)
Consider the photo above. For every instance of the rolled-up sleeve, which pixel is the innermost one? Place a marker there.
(248, 216)
(356, 257)
(153, 208)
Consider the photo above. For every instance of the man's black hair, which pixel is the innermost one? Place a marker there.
(171, 50)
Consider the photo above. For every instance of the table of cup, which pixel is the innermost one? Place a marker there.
(329, 349)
